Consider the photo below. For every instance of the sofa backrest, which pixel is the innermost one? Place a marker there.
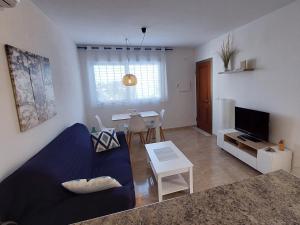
(37, 184)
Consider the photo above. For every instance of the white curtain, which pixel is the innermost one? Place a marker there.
(104, 69)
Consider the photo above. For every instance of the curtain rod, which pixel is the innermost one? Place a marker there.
(85, 47)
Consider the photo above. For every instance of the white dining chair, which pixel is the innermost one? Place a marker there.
(152, 126)
(136, 125)
(101, 126)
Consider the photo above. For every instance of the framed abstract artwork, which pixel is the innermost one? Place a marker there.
(32, 85)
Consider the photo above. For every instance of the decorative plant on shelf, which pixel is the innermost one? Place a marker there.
(227, 51)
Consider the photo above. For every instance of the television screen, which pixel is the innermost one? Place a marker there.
(253, 123)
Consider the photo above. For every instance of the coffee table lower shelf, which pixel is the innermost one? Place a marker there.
(173, 184)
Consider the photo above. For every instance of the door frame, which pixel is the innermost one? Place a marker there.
(210, 60)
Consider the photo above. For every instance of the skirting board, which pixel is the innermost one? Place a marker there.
(202, 132)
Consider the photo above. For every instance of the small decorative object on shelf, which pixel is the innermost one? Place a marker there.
(281, 145)
(227, 52)
(243, 64)
(250, 64)
(270, 150)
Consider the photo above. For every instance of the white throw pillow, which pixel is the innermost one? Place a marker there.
(84, 186)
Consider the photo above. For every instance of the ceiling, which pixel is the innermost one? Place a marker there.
(170, 22)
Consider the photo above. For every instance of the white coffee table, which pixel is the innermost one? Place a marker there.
(168, 163)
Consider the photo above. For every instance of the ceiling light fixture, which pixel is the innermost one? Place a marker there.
(130, 79)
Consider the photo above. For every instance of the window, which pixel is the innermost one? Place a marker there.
(108, 79)
(148, 86)
(109, 87)
(105, 69)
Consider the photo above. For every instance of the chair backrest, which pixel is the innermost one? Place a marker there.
(162, 114)
(101, 126)
(136, 124)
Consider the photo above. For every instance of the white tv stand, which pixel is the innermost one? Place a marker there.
(254, 153)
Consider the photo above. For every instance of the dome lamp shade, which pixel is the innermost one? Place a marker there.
(129, 80)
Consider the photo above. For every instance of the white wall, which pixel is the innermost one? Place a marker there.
(180, 107)
(274, 41)
(27, 28)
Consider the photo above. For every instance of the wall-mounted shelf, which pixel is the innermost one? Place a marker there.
(236, 71)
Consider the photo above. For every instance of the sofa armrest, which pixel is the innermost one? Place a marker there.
(83, 207)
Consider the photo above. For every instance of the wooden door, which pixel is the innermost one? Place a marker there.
(204, 99)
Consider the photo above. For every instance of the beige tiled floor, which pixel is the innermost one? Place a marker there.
(212, 166)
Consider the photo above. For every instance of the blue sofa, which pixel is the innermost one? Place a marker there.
(33, 194)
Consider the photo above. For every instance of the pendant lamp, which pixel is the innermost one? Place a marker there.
(130, 79)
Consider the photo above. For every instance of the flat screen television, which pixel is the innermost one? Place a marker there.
(252, 123)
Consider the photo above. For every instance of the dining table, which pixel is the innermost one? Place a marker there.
(119, 120)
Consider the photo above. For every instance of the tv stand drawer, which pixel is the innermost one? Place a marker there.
(230, 148)
(247, 158)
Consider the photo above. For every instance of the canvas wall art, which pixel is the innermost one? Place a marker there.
(32, 85)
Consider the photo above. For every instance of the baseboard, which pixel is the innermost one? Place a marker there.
(202, 132)
(178, 128)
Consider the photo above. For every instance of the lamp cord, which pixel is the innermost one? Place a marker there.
(142, 40)
(127, 50)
